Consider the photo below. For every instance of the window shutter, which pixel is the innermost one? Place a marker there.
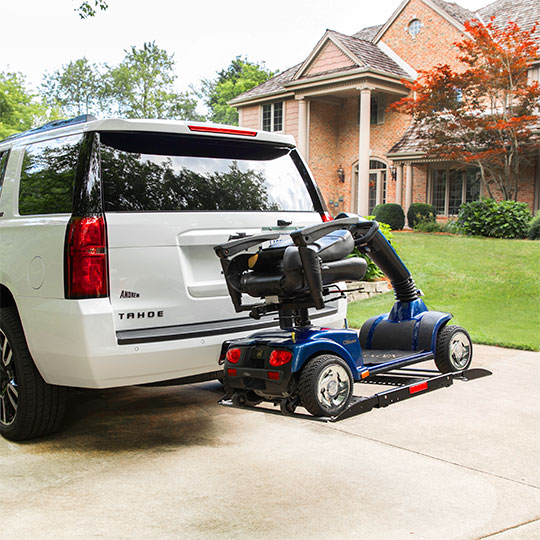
(381, 106)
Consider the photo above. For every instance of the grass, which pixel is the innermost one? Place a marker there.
(491, 286)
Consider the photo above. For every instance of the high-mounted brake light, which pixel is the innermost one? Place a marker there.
(233, 355)
(223, 131)
(279, 358)
(86, 258)
(326, 217)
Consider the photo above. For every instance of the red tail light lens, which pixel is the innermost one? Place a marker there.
(279, 358)
(273, 375)
(326, 217)
(86, 258)
(233, 355)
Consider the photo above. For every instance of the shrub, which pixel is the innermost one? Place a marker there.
(504, 219)
(391, 213)
(534, 228)
(420, 212)
(450, 226)
(373, 272)
(428, 226)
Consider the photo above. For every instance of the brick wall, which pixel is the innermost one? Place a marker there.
(433, 45)
(329, 57)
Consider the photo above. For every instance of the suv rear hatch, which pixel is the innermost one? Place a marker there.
(168, 200)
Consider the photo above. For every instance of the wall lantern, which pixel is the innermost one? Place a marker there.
(341, 174)
(393, 173)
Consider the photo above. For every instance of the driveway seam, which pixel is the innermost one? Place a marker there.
(438, 458)
(491, 535)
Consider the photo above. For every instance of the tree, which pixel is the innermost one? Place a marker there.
(89, 8)
(240, 76)
(142, 86)
(482, 114)
(77, 88)
(19, 108)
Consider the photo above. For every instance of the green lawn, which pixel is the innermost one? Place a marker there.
(492, 287)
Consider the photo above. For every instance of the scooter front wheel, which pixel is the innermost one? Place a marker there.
(326, 385)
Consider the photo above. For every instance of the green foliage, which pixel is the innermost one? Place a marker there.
(427, 226)
(141, 86)
(476, 279)
(391, 214)
(239, 77)
(77, 88)
(373, 272)
(88, 8)
(504, 219)
(19, 108)
(420, 212)
(534, 228)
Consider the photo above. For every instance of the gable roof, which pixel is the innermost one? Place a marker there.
(523, 12)
(368, 33)
(271, 86)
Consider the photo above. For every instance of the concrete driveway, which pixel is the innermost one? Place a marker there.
(459, 463)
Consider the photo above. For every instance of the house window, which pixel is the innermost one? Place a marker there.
(378, 105)
(450, 188)
(414, 27)
(272, 117)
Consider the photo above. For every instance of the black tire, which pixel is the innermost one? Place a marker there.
(29, 407)
(325, 385)
(454, 349)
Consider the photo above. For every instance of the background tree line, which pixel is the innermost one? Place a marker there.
(142, 85)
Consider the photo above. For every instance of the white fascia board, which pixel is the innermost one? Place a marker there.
(411, 72)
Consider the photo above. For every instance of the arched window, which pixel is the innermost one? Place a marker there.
(377, 184)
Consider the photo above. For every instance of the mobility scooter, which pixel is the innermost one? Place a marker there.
(316, 368)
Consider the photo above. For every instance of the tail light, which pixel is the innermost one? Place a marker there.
(86, 258)
(326, 217)
(233, 355)
(279, 358)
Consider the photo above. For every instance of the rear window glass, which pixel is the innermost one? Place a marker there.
(3, 165)
(48, 175)
(153, 172)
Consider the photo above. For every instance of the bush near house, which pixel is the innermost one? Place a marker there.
(504, 219)
(534, 228)
(390, 213)
(420, 212)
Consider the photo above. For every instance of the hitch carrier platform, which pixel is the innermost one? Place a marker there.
(408, 383)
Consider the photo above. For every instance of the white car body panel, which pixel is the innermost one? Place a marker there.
(160, 263)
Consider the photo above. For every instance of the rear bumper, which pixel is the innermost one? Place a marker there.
(74, 343)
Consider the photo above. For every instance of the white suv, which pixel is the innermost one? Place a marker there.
(107, 273)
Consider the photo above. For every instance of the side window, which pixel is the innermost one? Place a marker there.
(3, 165)
(48, 175)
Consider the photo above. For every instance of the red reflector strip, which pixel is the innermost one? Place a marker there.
(326, 217)
(273, 375)
(224, 131)
(232, 372)
(418, 387)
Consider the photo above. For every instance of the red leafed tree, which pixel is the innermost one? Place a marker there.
(485, 113)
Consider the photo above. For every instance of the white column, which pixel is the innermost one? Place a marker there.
(302, 127)
(399, 184)
(363, 151)
(379, 195)
(408, 187)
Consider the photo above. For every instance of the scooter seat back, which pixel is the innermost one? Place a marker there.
(271, 276)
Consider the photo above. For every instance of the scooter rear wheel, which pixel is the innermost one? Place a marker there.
(326, 385)
(454, 349)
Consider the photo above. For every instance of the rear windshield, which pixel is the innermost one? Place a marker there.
(144, 172)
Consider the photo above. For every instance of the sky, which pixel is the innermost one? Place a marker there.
(40, 36)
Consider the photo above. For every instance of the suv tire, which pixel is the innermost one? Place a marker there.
(29, 407)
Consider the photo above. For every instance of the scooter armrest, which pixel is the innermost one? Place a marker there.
(307, 236)
(242, 244)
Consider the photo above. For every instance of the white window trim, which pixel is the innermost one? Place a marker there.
(272, 130)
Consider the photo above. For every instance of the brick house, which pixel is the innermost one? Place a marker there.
(335, 105)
